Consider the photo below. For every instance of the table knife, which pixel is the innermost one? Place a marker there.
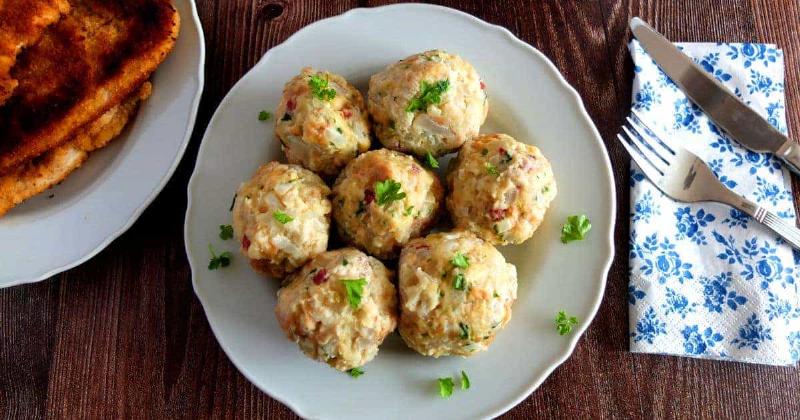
(749, 128)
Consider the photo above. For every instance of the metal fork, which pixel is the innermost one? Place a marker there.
(683, 176)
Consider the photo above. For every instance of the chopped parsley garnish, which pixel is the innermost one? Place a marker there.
(460, 260)
(282, 217)
(460, 282)
(409, 210)
(355, 290)
(431, 161)
(387, 191)
(446, 386)
(464, 380)
(464, 334)
(344, 261)
(429, 94)
(264, 115)
(484, 152)
(491, 169)
(495, 294)
(575, 229)
(564, 323)
(355, 372)
(286, 117)
(217, 261)
(225, 232)
(339, 129)
(319, 88)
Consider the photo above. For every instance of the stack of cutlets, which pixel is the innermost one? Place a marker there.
(72, 75)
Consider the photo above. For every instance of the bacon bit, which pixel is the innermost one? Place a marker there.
(501, 151)
(483, 85)
(421, 246)
(245, 242)
(347, 113)
(497, 214)
(290, 104)
(415, 169)
(369, 196)
(321, 277)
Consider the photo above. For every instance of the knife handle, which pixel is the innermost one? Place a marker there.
(789, 152)
(788, 232)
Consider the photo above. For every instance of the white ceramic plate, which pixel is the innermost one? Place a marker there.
(75, 220)
(529, 100)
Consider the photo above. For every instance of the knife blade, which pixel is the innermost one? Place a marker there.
(720, 105)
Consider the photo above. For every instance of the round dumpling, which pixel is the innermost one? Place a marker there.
(281, 218)
(427, 103)
(321, 122)
(339, 308)
(456, 293)
(500, 188)
(383, 199)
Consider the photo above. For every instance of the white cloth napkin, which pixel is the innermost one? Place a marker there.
(706, 280)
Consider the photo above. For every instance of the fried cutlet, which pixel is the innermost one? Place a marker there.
(39, 174)
(83, 65)
(22, 22)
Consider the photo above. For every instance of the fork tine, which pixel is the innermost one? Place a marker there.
(649, 170)
(646, 150)
(651, 141)
(649, 131)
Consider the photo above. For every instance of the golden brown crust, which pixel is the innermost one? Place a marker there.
(87, 63)
(22, 23)
(37, 175)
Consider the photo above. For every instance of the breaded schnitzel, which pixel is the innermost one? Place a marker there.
(22, 22)
(39, 174)
(85, 64)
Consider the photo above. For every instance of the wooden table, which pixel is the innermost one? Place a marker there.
(124, 334)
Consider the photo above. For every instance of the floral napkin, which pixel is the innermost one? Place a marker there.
(706, 280)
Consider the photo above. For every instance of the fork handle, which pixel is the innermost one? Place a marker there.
(771, 220)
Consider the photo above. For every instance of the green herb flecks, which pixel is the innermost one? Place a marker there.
(319, 88)
(459, 282)
(264, 115)
(460, 260)
(464, 334)
(575, 229)
(282, 217)
(429, 94)
(355, 290)
(464, 380)
(446, 387)
(387, 191)
(491, 169)
(431, 161)
(564, 323)
(217, 261)
(225, 232)
(355, 372)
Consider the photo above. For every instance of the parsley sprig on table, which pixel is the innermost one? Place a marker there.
(356, 372)
(319, 88)
(387, 191)
(464, 380)
(355, 290)
(429, 94)
(446, 386)
(575, 229)
(431, 161)
(264, 115)
(217, 261)
(565, 323)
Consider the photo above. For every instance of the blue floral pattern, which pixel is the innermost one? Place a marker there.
(706, 280)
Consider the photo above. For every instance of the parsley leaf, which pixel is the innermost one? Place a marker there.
(464, 380)
(264, 115)
(319, 88)
(282, 217)
(460, 260)
(355, 290)
(564, 323)
(575, 229)
(344, 261)
(355, 372)
(429, 94)
(460, 282)
(217, 261)
(491, 169)
(446, 387)
(409, 210)
(225, 232)
(387, 191)
(431, 161)
(464, 334)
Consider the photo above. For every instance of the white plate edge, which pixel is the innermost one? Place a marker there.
(564, 83)
(157, 190)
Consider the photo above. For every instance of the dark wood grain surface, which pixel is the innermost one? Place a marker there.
(124, 336)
